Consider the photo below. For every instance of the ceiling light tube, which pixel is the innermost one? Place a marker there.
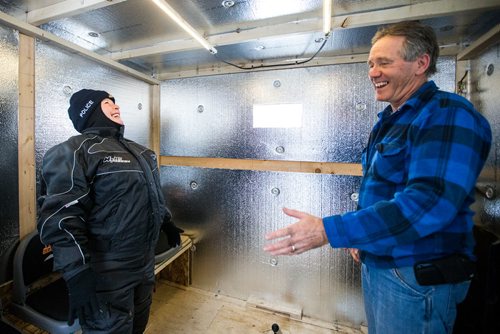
(327, 17)
(184, 25)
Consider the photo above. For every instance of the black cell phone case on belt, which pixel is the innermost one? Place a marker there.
(451, 269)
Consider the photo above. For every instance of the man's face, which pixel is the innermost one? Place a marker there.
(393, 78)
(111, 110)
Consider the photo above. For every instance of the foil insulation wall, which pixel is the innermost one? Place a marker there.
(9, 194)
(229, 211)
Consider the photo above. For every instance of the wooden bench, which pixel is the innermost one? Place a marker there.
(176, 265)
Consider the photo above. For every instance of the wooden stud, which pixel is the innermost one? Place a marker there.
(155, 120)
(481, 44)
(26, 136)
(265, 165)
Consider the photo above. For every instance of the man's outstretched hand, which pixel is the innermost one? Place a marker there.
(306, 234)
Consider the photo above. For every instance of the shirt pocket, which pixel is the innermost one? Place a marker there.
(389, 162)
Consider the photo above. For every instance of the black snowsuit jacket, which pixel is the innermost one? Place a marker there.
(102, 205)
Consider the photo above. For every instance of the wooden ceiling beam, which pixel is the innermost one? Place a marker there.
(64, 9)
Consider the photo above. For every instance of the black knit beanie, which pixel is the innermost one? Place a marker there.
(82, 104)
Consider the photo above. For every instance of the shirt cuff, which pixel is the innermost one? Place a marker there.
(335, 232)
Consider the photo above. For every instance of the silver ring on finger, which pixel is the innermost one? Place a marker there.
(293, 248)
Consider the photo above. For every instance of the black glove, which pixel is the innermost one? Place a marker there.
(173, 233)
(82, 296)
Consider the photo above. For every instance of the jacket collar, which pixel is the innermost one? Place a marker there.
(106, 132)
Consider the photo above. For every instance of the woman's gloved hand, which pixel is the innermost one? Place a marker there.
(82, 297)
(173, 233)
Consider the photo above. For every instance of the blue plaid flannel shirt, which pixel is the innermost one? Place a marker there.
(419, 173)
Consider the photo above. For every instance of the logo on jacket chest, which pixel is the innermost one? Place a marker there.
(115, 159)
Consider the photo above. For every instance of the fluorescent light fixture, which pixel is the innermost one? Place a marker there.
(184, 25)
(327, 17)
(287, 115)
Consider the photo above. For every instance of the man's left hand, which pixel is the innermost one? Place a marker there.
(306, 234)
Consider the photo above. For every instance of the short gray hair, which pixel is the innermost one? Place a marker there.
(419, 39)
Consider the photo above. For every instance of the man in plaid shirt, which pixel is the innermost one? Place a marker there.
(413, 227)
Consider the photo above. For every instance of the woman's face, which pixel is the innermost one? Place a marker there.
(111, 110)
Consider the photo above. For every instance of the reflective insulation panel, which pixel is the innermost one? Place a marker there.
(59, 74)
(9, 194)
(229, 211)
(483, 83)
(212, 116)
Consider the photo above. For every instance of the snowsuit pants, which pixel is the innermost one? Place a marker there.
(124, 293)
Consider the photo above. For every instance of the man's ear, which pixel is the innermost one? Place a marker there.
(423, 63)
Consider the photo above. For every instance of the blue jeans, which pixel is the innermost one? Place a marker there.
(396, 303)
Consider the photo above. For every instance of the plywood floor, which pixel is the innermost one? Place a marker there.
(186, 310)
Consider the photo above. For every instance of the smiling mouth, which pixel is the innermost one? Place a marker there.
(380, 84)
